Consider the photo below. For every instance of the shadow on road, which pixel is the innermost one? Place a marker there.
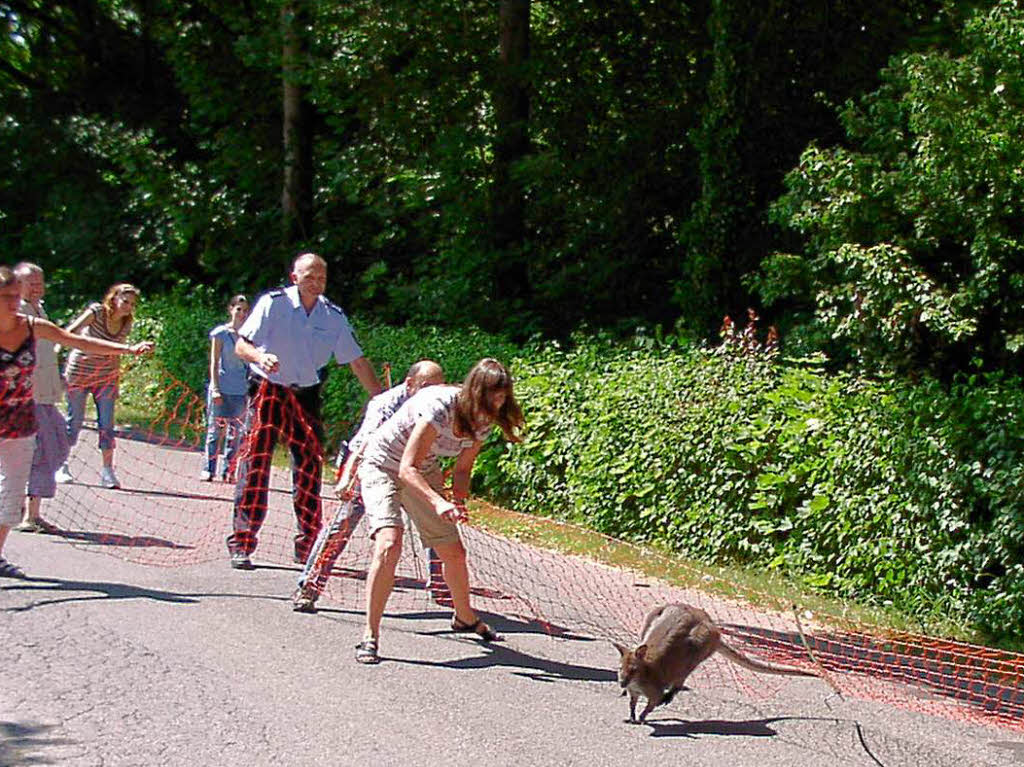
(503, 624)
(538, 669)
(118, 539)
(18, 742)
(752, 728)
(106, 590)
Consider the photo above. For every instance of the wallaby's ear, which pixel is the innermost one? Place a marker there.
(623, 650)
(641, 652)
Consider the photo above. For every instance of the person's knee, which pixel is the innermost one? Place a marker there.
(388, 545)
(451, 553)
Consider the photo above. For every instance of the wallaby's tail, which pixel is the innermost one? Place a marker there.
(755, 665)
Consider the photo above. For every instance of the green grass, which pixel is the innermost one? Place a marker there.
(769, 590)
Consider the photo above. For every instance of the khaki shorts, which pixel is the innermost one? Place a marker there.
(385, 497)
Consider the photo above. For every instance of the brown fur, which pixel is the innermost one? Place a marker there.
(675, 639)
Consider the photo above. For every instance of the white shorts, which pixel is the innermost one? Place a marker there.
(15, 466)
(385, 496)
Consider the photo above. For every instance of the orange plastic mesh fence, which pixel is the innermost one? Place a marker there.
(164, 514)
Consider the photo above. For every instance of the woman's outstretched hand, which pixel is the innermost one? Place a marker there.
(454, 512)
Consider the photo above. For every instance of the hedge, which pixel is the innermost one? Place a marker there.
(874, 489)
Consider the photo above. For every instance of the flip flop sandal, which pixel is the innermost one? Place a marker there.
(479, 628)
(10, 570)
(366, 652)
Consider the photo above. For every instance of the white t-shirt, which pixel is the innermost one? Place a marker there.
(47, 386)
(434, 405)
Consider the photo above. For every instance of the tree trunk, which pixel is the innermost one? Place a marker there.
(297, 191)
(511, 144)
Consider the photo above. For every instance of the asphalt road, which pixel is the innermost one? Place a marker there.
(133, 643)
(109, 662)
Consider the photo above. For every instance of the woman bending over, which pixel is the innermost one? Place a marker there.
(399, 469)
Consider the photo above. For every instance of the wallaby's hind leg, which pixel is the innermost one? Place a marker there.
(670, 693)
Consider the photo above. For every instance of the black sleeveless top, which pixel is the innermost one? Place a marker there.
(17, 408)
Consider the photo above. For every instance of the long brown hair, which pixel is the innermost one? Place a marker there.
(115, 290)
(472, 409)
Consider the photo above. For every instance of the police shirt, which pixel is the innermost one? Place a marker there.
(303, 343)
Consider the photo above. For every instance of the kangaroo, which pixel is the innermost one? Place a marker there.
(675, 639)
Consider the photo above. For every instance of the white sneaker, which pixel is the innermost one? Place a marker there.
(63, 475)
(205, 476)
(108, 478)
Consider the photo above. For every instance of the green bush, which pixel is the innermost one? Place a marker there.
(179, 323)
(455, 351)
(873, 489)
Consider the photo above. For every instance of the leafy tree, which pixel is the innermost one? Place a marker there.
(607, 163)
(915, 246)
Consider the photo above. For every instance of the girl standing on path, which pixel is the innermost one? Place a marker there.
(399, 471)
(18, 423)
(97, 374)
(225, 405)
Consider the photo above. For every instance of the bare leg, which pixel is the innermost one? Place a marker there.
(34, 501)
(387, 548)
(3, 537)
(456, 575)
(108, 457)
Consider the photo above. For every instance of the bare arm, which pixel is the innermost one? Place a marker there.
(364, 371)
(345, 488)
(416, 451)
(81, 322)
(463, 468)
(266, 361)
(215, 347)
(50, 332)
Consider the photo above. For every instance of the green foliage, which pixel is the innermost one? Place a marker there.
(144, 139)
(872, 489)
(455, 351)
(914, 238)
(179, 323)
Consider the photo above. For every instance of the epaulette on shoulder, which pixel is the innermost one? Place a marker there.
(272, 293)
(333, 306)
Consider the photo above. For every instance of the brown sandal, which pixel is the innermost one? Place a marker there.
(479, 628)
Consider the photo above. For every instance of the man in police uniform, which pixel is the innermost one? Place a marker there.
(288, 337)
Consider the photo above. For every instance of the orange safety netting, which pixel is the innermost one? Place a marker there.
(164, 514)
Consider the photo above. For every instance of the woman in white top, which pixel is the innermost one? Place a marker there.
(399, 470)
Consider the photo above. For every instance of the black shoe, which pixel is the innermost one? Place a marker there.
(240, 561)
(10, 570)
